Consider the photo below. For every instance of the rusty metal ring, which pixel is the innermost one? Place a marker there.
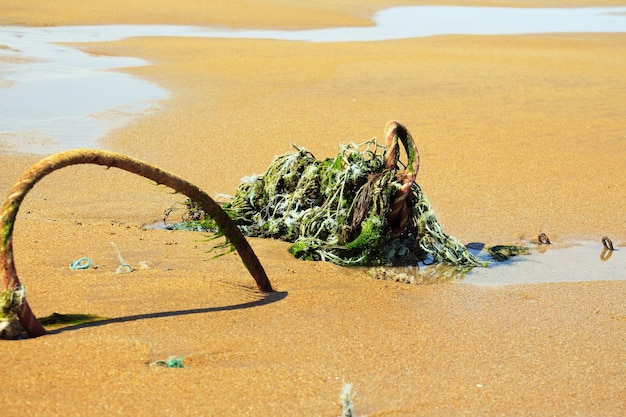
(543, 239)
(606, 242)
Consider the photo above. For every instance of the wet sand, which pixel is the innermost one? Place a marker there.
(517, 135)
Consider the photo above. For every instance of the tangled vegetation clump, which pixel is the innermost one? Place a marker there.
(10, 302)
(362, 207)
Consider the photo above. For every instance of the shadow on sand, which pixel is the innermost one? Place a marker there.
(266, 299)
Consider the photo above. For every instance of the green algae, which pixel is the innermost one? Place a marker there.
(501, 253)
(56, 320)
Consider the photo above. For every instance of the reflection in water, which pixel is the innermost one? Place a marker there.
(56, 97)
(542, 265)
(606, 254)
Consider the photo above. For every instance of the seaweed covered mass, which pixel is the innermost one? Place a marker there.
(362, 207)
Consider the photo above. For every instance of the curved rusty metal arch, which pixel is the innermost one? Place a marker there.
(126, 163)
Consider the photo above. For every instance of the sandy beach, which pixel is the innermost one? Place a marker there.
(518, 135)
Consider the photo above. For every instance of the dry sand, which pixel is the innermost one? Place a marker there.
(518, 135)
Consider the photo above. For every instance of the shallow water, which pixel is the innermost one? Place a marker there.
(584, 261)
(55, 97)
(61, 98)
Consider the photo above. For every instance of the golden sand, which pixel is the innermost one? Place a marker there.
(517, 135)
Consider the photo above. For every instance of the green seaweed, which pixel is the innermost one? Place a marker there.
(371, 234)
(56, 320)
(10, 301)
(501, 253)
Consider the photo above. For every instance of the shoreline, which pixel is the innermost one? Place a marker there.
(255, 14)
(57, 63)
